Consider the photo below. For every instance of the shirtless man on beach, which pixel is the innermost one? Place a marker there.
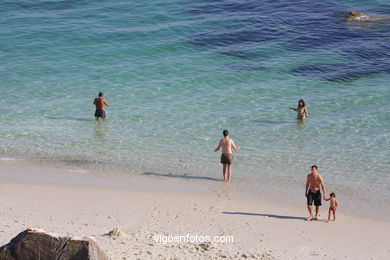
(227, 156)
(312, 191)
(100, 102)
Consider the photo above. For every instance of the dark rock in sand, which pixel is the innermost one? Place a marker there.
(39, 245)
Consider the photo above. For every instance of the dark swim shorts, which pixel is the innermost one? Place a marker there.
(100, 113)
(314, 196)
(227, 158)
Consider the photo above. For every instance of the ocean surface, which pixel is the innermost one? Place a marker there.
(177, 73)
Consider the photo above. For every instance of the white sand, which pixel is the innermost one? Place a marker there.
(79, 204)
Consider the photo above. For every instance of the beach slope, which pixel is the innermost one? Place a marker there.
(142, 219)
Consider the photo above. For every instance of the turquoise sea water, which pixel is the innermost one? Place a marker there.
(177, 73)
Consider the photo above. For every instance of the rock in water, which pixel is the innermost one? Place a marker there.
(358, 16)
(29, 245)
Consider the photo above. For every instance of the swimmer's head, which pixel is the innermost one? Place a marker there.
(314, 168)
(301, 103)
(332, 195)
(101, 94)
(225, 133)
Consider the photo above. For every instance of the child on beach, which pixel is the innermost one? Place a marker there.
(332, 206)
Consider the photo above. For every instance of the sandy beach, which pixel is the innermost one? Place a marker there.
(144, 177)
(148, 211)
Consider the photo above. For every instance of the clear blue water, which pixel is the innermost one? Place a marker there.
(177, 73)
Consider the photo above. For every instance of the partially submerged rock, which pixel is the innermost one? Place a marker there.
(359, 16)
(33, 245)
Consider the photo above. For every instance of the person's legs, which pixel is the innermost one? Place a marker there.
(329, 214)
(229, 172)
(317, 210)
(310, 212)
(224, 171)
(317, 202)
(309, 203)
(334, 214)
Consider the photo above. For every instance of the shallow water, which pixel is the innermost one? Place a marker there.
(176, 74)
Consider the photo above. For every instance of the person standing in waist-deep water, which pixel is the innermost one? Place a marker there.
(227, 156)
(100, 102)
(301, 110)
(312, 191)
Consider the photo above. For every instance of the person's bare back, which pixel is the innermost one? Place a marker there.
(226, 144)
(100, 102)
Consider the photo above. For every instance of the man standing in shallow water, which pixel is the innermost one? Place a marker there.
(312, 191)
(227, 156)
(100, 102)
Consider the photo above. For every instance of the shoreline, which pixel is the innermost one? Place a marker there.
(288, 192)
(77, 203)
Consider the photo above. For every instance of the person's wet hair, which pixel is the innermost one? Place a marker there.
(101, 94)
(314, 166)
(332, 195)
(303, 103)
(225, 133)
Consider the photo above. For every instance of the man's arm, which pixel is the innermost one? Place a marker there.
(94, 102)
(219, 146)
(106, 103)
(307, 185)
(235, 147)
(323, 187)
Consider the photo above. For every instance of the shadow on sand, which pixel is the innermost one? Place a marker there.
(182, 176)
(264, 215)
